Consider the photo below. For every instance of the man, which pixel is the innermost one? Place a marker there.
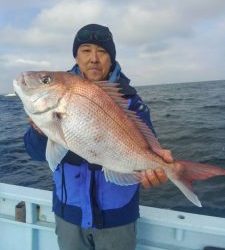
(92, 213)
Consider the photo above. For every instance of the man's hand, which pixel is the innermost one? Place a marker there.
(153, 178)
(34, 126)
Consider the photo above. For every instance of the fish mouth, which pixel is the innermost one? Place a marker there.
(15, 86)
(20, 86)
(21, 80)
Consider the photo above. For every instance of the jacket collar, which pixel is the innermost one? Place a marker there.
(116, 75)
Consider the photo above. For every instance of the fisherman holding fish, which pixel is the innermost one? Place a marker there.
(97, 136)
(92, 213)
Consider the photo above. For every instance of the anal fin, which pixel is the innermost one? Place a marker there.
(122, 179)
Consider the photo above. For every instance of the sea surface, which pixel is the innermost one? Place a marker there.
(189, 119)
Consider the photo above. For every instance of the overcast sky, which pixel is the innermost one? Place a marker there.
(158, 41)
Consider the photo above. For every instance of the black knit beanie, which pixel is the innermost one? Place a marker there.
(95, 34)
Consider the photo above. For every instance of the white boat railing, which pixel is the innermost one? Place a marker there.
(37, 231)
(27, 223)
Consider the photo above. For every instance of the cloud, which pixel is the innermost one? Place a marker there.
(157, 41)
(15, 61)
(65, 14)
(133, 23)
(21, 61)
(25, 4)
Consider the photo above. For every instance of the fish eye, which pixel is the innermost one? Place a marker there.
(46, 79)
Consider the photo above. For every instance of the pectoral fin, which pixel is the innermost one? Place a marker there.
(54, 154)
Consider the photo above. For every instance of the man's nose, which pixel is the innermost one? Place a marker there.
(94, 57)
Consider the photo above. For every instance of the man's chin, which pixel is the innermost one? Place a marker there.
(94, 77)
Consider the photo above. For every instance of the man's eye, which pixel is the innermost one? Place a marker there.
(101, 51)
(46, 79)
(86, 50)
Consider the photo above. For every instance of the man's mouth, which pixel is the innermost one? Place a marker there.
(94, 69)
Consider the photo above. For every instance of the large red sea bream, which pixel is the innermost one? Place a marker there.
(92, 120)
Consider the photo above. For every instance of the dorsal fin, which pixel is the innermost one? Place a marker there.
(112, 89)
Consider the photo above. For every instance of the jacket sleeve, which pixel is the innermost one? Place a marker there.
(142, 110)
(35, 144)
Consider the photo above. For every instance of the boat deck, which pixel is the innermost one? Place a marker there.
(27, 222)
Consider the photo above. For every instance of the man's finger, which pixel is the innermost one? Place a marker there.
(144, 180)
(152, 177)
(162, 177)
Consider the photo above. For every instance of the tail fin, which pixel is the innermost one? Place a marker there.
(186, 172)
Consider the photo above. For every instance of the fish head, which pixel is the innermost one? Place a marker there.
(41, 91)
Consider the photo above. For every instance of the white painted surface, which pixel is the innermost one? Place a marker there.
(158, 229)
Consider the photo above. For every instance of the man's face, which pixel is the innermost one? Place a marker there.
(94, 62)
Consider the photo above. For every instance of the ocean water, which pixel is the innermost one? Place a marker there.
(189, 119)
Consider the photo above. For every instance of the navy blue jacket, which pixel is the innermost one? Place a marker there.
(81, 194)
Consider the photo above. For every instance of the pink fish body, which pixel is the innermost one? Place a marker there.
(93, 121)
